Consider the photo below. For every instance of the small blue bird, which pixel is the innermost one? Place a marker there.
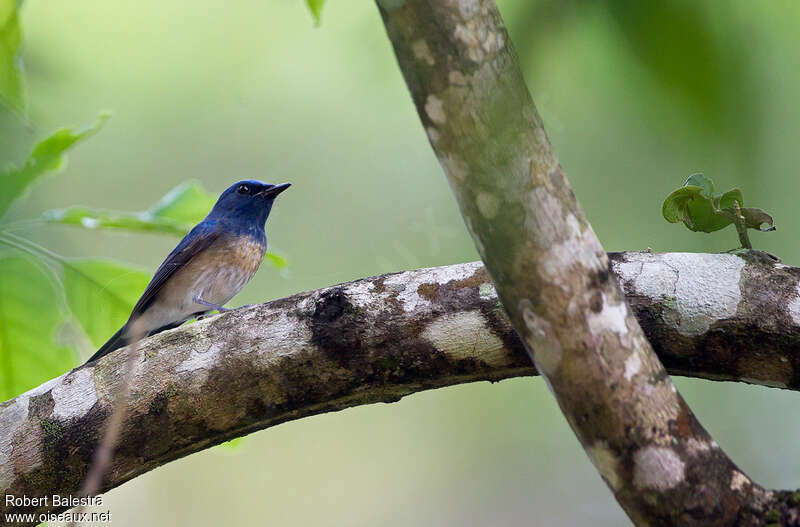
(209, 266)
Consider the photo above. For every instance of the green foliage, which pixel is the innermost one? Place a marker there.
(693, 65)
(47, 155)
(316, 9)
(701, 210)
(100, 294)
(30, 320)
(12, 92)
(693, 55)
(176, 213)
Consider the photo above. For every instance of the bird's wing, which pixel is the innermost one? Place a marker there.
(198, 239)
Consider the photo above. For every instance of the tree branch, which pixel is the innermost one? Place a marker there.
(551, 272)
(372, 340)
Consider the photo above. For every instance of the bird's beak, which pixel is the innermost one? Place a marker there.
(275, 190)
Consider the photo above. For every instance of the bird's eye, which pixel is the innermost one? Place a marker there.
(243, 189)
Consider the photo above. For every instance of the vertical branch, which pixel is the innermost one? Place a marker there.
(551, 272)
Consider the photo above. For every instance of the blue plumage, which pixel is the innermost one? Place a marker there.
(209, 266)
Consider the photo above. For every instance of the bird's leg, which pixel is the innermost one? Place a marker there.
(209, 304)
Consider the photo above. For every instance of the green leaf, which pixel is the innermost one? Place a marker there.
(48, 155)
(30, 319)
(276, 260)
(726, 200)
(108, 219)
(674, 207)
(189, 203)
(12, 90)
(702, 216)
(316, 9)
(101, 294)
(176, 213)
(705, 184)
(694, 208)
(231, 446)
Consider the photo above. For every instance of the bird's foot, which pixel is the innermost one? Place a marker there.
(209, 304)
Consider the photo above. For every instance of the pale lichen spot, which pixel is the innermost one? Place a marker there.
(202, 357)
(422, 52)
(493, 42)
(544, 219)
(406, 286)
(361, 293)
(647, 275)
(633, 365)
(457, 78)
(488, 204)
(575, 247)
(695, 446)
(700, 288)
(282, 335)
(739, 481)
(547, 351)
(75, 395)
(454, 167)
(465, 35)
(466, 335)
(606, 463)
(468, 8)
(611, 318)
(434, 107)
(13, 414)
(657, 468)
(794, 306)
(661, 394)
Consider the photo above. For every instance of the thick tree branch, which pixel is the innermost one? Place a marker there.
(552, 274)
(372, 340)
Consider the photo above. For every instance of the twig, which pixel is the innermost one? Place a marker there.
(105, 451)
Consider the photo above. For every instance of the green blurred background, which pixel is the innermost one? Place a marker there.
(635, 97)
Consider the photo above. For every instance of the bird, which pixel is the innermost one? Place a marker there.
(207, 268)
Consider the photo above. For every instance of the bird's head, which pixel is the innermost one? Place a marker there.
(248, 200)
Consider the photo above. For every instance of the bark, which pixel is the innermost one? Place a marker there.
(551, 272)
(372, 340)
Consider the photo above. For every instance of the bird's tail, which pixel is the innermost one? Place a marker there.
(118, 340)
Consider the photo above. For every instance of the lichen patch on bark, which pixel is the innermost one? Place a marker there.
(794, 306)
(611, 318)
(659, 468)
(13, 415)
(75, 395)
(488, 204)
(411, 290)
(547, 351)
(448, 332)
(633, 365)
(422, 52)
(606, 463)
(705, 288)
(435, 109)
(739, 481)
